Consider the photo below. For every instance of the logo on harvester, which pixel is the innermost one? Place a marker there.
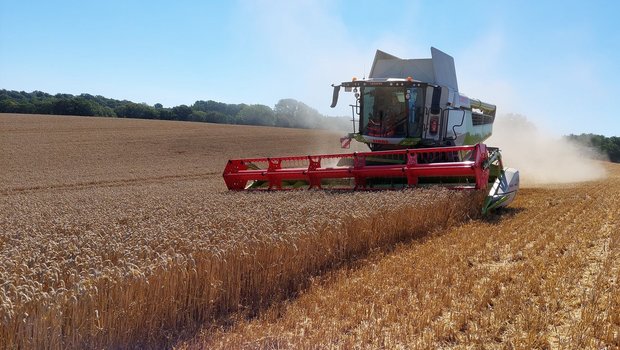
(345, 142)
(434, 125)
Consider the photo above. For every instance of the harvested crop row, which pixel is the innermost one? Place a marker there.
(111, 266)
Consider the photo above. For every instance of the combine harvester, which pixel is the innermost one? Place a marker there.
(421, 132)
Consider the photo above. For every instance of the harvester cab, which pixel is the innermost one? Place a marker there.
(412, 103)
(421, 132)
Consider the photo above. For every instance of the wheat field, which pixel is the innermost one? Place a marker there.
(119, 233)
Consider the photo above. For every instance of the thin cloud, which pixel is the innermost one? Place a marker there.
(313, 48)
(310, 47)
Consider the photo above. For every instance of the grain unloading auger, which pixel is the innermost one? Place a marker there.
(421, 132)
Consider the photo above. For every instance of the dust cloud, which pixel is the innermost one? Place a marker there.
(541, 157)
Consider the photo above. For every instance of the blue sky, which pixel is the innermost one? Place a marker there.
(555, 62)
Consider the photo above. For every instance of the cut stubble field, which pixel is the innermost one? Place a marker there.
(119, 233)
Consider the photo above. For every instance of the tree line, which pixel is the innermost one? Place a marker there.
(286, 113)
(607, 146)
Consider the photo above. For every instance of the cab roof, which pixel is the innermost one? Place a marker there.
(439, 69)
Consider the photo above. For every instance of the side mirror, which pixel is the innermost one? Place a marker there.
(335, 95)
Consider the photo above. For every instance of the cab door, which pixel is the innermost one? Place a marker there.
(416, 108)
(432, 120)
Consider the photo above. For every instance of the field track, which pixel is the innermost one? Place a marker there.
(145, 202)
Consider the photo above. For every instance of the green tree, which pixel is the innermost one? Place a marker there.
(606, 146)
(8, 106)
(217, 117)
(256, 115)
(297, 114)
(198, 116)
(136, 110)
(73, 106)
(181, 112)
